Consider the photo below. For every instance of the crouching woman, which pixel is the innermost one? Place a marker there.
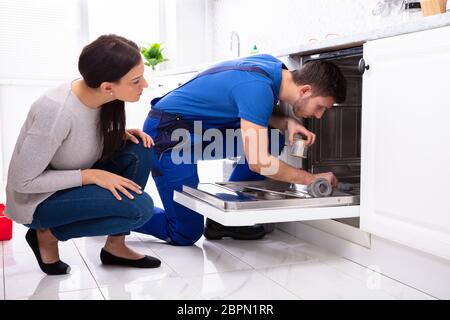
(75, 170)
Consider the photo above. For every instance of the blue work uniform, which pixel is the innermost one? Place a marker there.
(246, 88)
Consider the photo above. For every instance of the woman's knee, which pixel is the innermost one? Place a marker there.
(142, 209)
(139, 150)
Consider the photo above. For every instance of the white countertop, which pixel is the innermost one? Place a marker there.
(424, 23)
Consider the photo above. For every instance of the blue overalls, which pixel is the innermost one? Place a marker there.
(177, 224)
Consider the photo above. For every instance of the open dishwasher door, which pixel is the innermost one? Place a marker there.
(268, 201)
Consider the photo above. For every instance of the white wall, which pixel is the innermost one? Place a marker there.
(274, 25)
(198, 31)
(134, 19)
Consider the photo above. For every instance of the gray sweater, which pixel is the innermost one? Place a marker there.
(59, 138)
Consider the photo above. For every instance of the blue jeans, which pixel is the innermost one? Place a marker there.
(91, 210)
(177, 224)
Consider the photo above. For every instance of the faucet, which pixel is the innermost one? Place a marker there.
(235, 34)
(385, 7)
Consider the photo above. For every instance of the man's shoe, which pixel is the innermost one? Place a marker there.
(216, 231)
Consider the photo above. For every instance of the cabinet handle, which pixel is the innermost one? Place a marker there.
(160, 85)
(362, 66)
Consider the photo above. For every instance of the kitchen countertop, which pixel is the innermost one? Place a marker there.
(422, 24)
(425, 23)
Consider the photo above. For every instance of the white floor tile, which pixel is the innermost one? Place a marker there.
(18, 243)
(88, 294)
(374, 279)
(316, 280)
(276, 248)
(239, 285)
(202, 258)
(23, 278)
(287, 268)
(114, 275)
(152, 241)
(171, 288)
(99, 241)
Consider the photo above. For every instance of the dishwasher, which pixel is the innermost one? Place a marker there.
(337, 149)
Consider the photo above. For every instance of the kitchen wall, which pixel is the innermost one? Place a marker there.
(274, 25)
(136, 19)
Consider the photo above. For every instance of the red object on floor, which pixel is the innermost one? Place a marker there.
(5, 225)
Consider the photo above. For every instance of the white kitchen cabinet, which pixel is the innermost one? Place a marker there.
(405, 169)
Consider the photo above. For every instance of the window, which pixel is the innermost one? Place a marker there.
(40, 39)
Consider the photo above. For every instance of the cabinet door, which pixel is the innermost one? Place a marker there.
(405, 167)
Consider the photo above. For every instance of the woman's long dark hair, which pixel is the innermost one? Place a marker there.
(108, 59)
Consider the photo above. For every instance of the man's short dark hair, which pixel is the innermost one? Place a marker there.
(325, 78)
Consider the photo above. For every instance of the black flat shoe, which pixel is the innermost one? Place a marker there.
(112, 260)
(52, 269)
(216, 231)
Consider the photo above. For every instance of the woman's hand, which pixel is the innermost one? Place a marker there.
(111, 182)
(294, 127)
(131, 134)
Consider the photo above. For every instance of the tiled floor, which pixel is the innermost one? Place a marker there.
(279, 266)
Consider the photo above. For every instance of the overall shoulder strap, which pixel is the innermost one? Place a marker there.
(227, 68)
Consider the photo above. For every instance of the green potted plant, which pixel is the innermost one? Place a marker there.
(153, 55)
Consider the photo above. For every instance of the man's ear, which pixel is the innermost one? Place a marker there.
(305, 90)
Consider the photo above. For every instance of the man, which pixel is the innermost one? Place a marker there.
(237, 94)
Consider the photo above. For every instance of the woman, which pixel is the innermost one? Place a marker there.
(76, 171)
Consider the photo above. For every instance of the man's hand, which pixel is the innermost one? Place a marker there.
(256, 144)
(329, 176)
(294, 127)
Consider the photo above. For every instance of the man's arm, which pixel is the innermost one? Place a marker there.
(256, 143)
(291, 126)
(278, 121)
